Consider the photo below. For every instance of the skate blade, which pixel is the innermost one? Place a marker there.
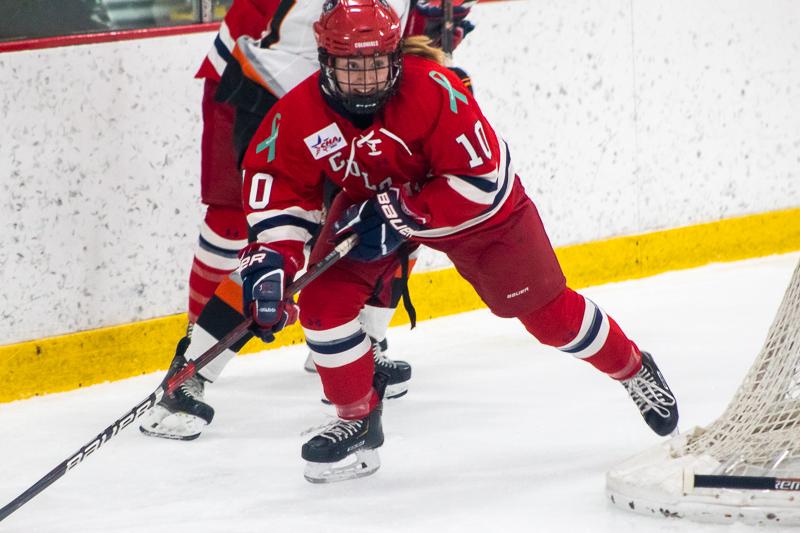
(396, 391)
(360, 464)
(160, 422)
(309, 365)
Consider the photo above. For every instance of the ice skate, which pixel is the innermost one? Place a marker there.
(309, 365)
(184, 414)
(398, 372)
(649, 390)
(346, 449)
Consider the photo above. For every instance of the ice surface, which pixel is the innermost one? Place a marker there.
(497, 432)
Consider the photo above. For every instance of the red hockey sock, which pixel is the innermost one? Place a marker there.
(575, 325)
(222, 235)
(349, 387)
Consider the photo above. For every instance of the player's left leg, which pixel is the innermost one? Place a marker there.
(576, 325)
(557, 316)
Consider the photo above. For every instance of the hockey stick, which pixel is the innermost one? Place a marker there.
(448, 28)
(173, 383)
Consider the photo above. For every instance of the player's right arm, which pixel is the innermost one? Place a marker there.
(282, 188)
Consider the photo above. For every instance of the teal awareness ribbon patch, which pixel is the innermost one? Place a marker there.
(269, 142)
(442, 80)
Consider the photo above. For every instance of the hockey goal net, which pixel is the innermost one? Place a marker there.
(745, 466)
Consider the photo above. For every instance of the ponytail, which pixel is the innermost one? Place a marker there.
(420, 45)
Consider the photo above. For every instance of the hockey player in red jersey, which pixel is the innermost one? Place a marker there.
(260, 53)
(418, 162)
(285, 56)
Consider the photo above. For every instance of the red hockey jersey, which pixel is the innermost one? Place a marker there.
(430, 139)
(245, 17)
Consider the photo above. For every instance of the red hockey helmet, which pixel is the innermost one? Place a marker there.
(364, 36)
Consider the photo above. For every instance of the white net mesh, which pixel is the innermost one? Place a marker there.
(759, 432)
(757, 435)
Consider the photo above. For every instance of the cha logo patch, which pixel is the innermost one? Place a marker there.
(326, 141)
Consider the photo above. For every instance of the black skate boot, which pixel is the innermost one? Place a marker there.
(183, 414)
(398, 372)
(649, 390)
(346, 449)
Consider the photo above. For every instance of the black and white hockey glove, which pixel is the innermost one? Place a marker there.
(381, 224)
(263, 284)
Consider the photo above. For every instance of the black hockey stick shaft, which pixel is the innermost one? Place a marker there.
(448, 29)
(187, 372)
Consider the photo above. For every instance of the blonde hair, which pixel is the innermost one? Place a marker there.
(420, 45)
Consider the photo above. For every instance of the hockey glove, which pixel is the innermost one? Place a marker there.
(426, 19)
(381, 224)
(263, 284)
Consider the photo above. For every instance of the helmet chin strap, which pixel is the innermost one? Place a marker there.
(361, 121)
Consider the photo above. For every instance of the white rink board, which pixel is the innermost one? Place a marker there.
(497, 433)
(623, 117)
